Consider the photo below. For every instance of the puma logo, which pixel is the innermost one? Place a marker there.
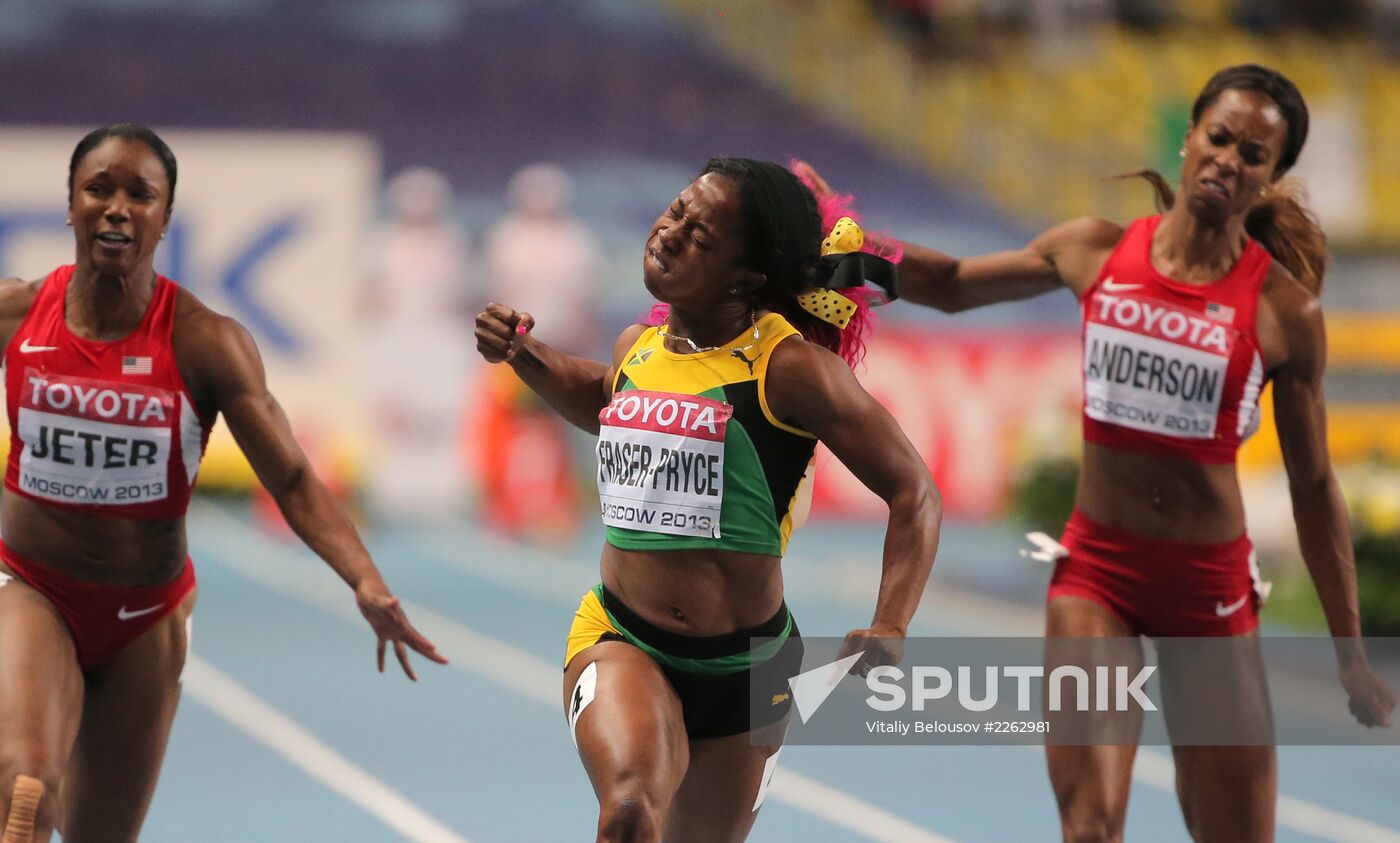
(777, 698)
(739, 353)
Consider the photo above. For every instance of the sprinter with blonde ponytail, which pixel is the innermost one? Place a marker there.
(1187, 315)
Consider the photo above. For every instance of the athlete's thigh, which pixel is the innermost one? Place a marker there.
(627, 723)
(41, 687)
(719, 799)
(1089, 754)
(127, 715)
(1215, 691)
(1219, 715)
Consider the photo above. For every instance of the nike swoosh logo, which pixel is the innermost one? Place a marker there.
(26, 348)
(1223, 611)
(124, 615)
(1118, 287)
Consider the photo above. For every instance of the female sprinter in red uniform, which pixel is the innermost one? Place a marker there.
(1186, 316)
(707, 425)
(113, 377)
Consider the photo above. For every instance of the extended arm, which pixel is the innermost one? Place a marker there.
(1319, 511)
(1068, 255)
(813, 389)
(229, 363)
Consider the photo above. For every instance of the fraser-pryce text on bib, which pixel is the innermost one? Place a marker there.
(661, 462)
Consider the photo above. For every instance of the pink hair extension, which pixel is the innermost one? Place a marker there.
(862, 323)
(657, 315)
(834, 206)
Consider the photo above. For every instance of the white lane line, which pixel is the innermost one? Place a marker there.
(841, 809)
(536, 573)
(1294, 814)
(288, 572)
(293, 742)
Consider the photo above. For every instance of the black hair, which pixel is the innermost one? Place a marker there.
(782, 226)
(1281, 220)
(1275, 86)
(782, 232)
(125, 131)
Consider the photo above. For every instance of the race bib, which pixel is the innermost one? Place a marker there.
(94, 442)
(661, 462)
(1154, 367)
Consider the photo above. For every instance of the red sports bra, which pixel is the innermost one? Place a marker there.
(1170, 368)
(103, 426)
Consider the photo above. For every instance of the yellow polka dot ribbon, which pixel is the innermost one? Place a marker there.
(829, 305)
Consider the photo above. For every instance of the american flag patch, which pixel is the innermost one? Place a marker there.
(136, 365)
(1221, 312)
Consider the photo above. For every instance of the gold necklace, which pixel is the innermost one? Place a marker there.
(665, 330)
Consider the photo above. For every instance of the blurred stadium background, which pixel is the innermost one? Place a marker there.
(357, 178)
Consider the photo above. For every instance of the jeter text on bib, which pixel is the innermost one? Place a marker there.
(89, 441)
(661, 462)
(1152, 366)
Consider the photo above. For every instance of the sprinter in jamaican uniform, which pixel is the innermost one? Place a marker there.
(707, 421)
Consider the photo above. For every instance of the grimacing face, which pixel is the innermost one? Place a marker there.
(1231, 153)
(695, 249)
(119, 206)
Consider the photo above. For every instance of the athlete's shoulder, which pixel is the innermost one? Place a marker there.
(1073, 245)
(1084, 233)
(797, 359)
(1078, 250)
(208, 342)
(1295, 306)
(631, 334)
(194, 319)
(17, 296)
(627, 339)
(1286, 292)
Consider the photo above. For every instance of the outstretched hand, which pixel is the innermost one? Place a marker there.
(384, 614)
(500, 331)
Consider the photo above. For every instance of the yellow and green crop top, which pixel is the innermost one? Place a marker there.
(691, 457)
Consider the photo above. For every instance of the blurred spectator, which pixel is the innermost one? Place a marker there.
(1387, 27)
(1323, 16)
(1147, 15)
(928, 21)
(544, 261)
(417, 344)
